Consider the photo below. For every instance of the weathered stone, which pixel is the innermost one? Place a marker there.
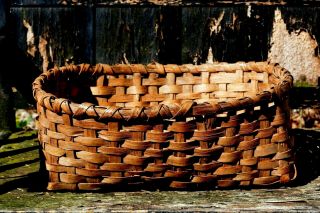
(294, 45)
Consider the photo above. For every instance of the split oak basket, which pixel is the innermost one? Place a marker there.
(165, 126)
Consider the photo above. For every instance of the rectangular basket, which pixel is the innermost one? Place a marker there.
(165, 126)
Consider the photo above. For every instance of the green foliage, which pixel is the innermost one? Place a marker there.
(21, 124)
(300, 83)
(25, 119)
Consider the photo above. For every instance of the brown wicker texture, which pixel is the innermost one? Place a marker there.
(178, 126)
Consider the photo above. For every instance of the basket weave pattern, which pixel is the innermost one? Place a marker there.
(165, 125)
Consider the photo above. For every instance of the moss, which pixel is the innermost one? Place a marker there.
(23, 134)
(18, 156)
(21, 146)
(300, 83)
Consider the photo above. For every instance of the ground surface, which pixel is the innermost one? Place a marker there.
(21, 188)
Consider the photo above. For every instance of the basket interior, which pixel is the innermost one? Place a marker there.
(150, 89)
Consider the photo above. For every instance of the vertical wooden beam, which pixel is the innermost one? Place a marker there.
(60, 34)
(7, 121)
(126, 35)
(169, 35)
(236, 33)
(3, 15)
(51, 2)
(194, 37)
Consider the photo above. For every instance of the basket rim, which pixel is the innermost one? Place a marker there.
(163, 110)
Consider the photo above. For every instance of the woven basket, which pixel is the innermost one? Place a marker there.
(187, 126)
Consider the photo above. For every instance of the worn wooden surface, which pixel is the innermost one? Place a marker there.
(126, 35)
(237, 38)
(51, 2)
(3, 15)
(109, 32)
(60, 35)
(142, 34)
(113, 34)
(6, 112)
(208, 2)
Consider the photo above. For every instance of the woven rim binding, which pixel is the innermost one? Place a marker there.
(282, 81)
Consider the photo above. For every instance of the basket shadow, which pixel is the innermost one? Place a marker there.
(32, 182)
(307, 155)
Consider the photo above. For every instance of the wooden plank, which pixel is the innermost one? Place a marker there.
(3, 15)
(145, 34)
(50, 2)
(207, 2)
(6, 112)
(194, 39)
(169, 35)
(54, 36)
(33, 2)
(126, 35)
(232, 34)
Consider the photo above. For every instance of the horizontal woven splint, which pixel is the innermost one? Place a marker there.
(165, 126)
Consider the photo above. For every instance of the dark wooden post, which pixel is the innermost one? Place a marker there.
(7, 123)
